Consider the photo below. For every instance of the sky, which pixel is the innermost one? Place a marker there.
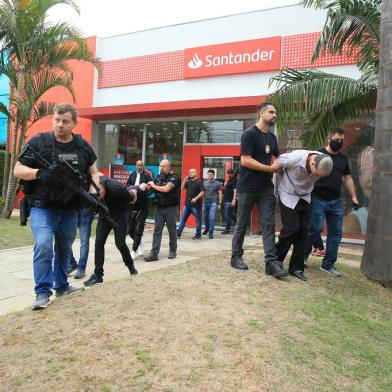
(106, 18)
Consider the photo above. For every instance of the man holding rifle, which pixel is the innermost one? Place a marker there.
(53, 204)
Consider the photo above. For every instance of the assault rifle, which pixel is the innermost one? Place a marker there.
(74, 184)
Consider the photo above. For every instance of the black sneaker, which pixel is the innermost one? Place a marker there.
(42, 300)
(196, 237)
(205, 232)
(80, 273)
(211, 236)
(70, 290)
(132, 270)
(71, 268)
(274, 268)
(238, 263)
(151, 257)
(178, 235)
(172, 255)
(92, 280)
(299, 274)
(225, 232)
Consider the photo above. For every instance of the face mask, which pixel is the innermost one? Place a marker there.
(335, 145)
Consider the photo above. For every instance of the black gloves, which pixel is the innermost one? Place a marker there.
(355, 206)
(45, 176)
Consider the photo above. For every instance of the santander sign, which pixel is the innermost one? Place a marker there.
(256, 55)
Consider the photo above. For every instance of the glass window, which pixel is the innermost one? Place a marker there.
(120, 140)
(165, 138)
(108, 144)
(220, 132)
(130, 142)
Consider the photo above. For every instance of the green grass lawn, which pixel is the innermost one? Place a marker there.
(203, 326)
(13, 235)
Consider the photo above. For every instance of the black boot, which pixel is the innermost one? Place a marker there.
(132, 269)
(238, 263)
(275, 268)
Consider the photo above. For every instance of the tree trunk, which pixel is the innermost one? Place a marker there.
(6, 161)
(10, 197)
(11, 185)
(377, 258)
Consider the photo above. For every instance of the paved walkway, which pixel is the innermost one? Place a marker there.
(16, 272)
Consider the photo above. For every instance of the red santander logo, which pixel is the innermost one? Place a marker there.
(256, 55)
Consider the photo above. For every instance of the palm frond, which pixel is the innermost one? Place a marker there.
(43, 109)
(4, 110)
(316, 98)
(354, 25)
(43, 6)
(45, 80)
(318, 4)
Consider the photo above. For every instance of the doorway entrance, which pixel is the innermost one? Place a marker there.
(220, 166)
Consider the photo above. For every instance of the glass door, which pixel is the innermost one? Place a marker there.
(220, 165)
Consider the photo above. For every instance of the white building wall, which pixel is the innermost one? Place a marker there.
(253, 84)
(260, 24)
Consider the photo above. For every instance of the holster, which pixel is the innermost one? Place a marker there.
(24, 210)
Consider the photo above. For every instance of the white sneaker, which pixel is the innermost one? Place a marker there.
(133, 254)
(140, 249)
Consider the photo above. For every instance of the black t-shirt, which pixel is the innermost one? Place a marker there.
(117, 197)
(193, 188)
(229, 190)
(79, 154)
(329, 188)
(253, 143)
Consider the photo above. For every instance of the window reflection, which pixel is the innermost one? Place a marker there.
(219, 132)
(120, 139)
(165, 138)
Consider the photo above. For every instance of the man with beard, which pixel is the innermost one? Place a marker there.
(166, 187)
(326, 202)
(259, 146)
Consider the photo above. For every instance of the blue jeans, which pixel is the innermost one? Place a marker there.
(51, 264)
(195, 210)
(228, 214)
(332, 211)
(85, 220)
(209, 211)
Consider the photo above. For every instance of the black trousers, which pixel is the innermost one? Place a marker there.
(295, 226)
(164, 215)
(136, 221)
(120, 233)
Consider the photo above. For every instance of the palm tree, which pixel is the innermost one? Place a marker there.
(323, 100)
(376, 262)
(38, 55)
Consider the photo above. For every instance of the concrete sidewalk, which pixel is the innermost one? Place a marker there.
(16, 271)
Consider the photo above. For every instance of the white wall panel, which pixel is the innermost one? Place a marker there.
(258, 24)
